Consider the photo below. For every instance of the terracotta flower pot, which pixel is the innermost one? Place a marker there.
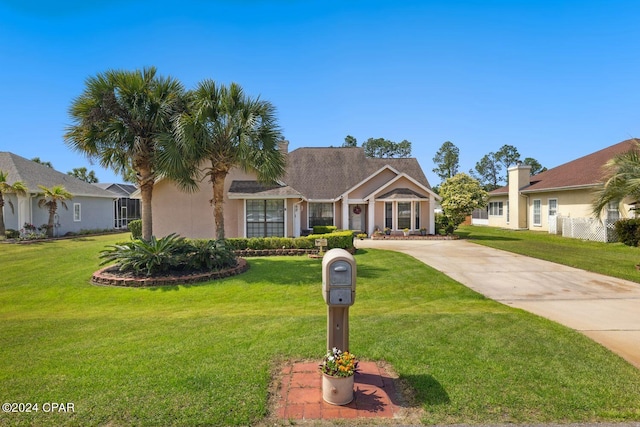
(337, 390)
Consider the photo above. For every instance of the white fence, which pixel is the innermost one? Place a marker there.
(583, 228)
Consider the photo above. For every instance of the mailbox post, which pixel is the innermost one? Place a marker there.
(339, 292)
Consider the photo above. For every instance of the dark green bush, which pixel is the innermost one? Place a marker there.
(324, 229)
(339, 239)
(170, 253)
(209, 255)
(628, 231)
(135, 227)
(11, 233)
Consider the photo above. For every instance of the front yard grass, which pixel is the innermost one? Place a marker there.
(205, 354)
(611, 259)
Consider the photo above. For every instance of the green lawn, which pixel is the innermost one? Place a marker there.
(205, 354)
(611, 259)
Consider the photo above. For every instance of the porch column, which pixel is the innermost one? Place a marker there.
(432, 214)
(345, 213)
(371, 217)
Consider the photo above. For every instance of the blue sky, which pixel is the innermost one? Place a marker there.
(556, 79)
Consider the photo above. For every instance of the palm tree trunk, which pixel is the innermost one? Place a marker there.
(146, 191)
(52, 215)
(217, 181)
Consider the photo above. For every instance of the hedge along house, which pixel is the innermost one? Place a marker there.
(90, 209)
(322, 186)
(559, 200)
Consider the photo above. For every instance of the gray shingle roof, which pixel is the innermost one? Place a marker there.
(33, 174)
(243, 189)
(325, 173)
(122, 190)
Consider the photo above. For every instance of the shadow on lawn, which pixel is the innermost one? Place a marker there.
(427, 390)
(279, 271)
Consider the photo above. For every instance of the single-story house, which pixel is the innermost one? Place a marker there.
(125, 208)
(559, 198)
(90, 209)
(322, 186)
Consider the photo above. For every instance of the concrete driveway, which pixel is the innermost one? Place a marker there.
(605, 309)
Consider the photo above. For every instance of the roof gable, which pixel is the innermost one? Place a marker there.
(326, 173)
(33, 174)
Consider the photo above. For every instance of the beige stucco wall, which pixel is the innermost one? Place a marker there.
(372, 185)
(191, 214)
(499, 221)
(571, 203)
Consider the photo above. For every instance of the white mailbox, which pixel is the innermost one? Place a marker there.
(339, 278)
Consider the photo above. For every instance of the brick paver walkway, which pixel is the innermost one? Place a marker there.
(301, 394)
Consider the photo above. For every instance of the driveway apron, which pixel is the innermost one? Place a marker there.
(604, 308)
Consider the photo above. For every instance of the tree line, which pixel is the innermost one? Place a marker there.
(490, 170)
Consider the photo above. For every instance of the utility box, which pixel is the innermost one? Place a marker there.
(338, 278)
(339, 292)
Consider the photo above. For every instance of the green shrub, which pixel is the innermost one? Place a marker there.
(148, 257)
(236, 243)
(303, 243)
(135, 227)
(170, 253)
(338, 239)
(11, 233)
(209, 255)
(628, 231)
(324, 229)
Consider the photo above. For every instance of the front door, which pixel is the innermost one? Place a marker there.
(356, 217)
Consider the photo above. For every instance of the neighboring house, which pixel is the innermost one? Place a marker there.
(322, 186)
(559, 200)
(125, 208)
(90, 209)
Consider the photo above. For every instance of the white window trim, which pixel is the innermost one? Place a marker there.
(77, 208)
(497, 207)
(549, 206)
(533, 212)
(333, 212)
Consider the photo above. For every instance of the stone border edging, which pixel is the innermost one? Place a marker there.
(105, 277)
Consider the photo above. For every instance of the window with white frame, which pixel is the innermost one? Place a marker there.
(265, 218)
(388, 215)
(507, 207)
(553, 207)
(77, 213)
(496, 208)
(401, 215)
(404, 215)
(320, 214)
(613, 213)
(537, 210)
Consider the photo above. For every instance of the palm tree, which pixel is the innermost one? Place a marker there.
(49, 199)
(228, 129)
(622, 180)
(17, 187)
(122, 119)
